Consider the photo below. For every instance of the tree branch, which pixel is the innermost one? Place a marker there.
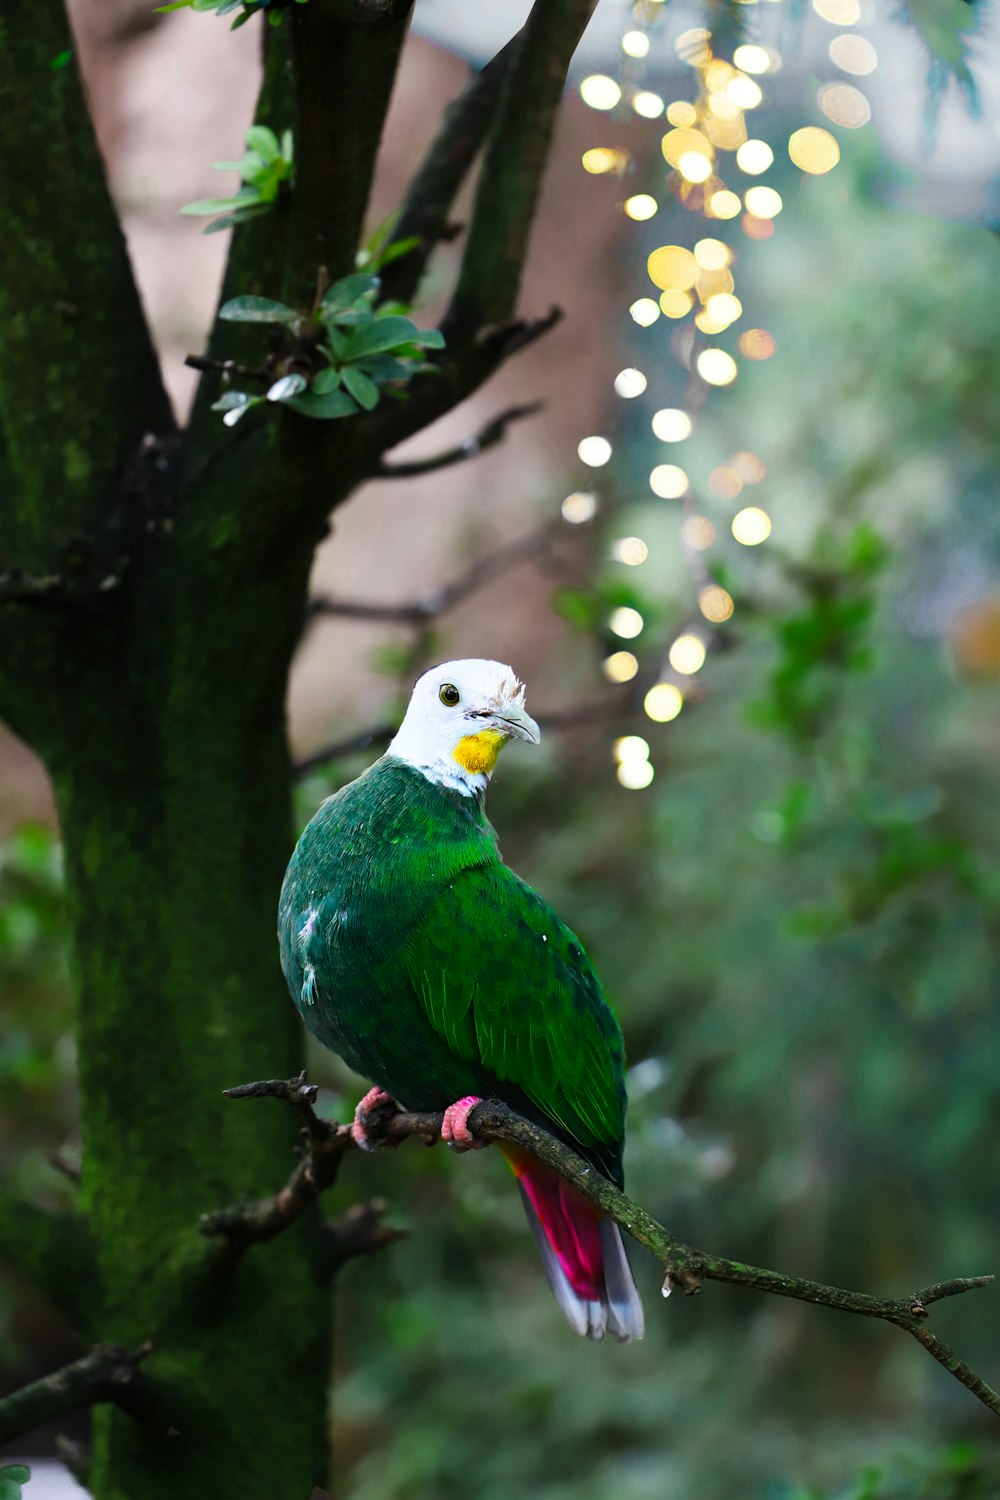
(107, 1373)
(683, 1265)
(535, 546)
(424, 213)
(515, 161)
(487, 437)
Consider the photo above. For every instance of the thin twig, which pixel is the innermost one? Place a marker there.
(106, 1373)
(487, 437)
(683, 1265)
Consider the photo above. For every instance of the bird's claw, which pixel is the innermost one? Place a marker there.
(455, 1125)
(374, 1100)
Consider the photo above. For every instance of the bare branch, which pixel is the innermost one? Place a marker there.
(106, 1373)
(424, 214)
(487, 437)
(358, 1231)
(515, 161)
(535, 546)
(683, 1265)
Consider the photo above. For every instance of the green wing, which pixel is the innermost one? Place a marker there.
(510, 990)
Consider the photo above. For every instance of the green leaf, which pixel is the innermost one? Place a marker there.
(382, 367)
(252, 211)
(364, 391)
(397, 249)
(12, 1476)
(384, 334)
(323, 408)
(264, 141)
(286, 387)
(203, 206)
(256, 310)
(350, 289)
(326, 381)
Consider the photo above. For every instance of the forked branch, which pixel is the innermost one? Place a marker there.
(106, 1373)
(683, 1265)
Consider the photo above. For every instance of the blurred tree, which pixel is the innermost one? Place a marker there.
(152, 591)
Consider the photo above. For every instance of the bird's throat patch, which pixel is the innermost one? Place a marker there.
(477, 753)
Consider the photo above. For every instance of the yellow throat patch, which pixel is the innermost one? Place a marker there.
(478, 752)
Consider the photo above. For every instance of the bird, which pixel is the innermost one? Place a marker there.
(418, 956)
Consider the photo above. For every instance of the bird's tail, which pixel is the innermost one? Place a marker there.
(582, 1253)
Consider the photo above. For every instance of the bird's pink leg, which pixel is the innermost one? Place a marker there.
(455, 1128)
(375, 1098)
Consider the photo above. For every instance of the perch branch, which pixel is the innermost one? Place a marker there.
(487, 437)
(106, 1373)
(534, 546)
(683, 1265)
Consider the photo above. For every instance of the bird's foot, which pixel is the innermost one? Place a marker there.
(455, 1125)
(374, 1100)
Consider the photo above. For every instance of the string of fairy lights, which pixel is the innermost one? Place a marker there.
(714, 162)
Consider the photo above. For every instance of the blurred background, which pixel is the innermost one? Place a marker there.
(764, 613)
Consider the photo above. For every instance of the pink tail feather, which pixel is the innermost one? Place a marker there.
(582, 1252)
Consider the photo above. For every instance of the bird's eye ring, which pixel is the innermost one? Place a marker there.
(449, 694)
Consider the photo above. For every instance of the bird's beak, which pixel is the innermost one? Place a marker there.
(518, 724)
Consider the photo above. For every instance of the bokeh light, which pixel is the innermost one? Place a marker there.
(579, 507)
(725, 481)
(712, 255)
(663, 702)
(743, 92)
(715, 603)
(671, 425)
(694, 167)
(749, 466)
(630, 550)
(854, 54)
(668, 481)
(599, 91)
(698, 532)
(630, 383)
(594, 451)
(684, 142)
(672, 268)
(687, 654)
(754, 157)
(682, 114)
(763, 202)
(757, 343)
(640, 206)
(648, 104)
(635, 44)
(626, 622)
(644, 311)
(752, 59)
(630, 747)
(716, 367)
(634, 775)
(724, 204)
(620, 666)
(813, 150)
(751, 526)
(676, 304)
(844, 105)
(601, 159)
(838, 12)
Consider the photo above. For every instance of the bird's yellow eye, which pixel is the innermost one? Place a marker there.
(449, 694)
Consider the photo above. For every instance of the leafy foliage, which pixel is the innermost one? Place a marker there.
(247, 8)
(12, 1477)
(337, 361)
(266, 170)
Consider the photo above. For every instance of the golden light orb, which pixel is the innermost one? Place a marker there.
(630, 747)
(601, 159)
(751, 59)
(694, 46)
(681, 114)
(698, 533)
(644, 311)
(630, 383)
(844, 105)
(813, 150)
(712, 255)
(754, 157)
(635, 44)
(724, 204)
(676, 304)
(763, 202)
(671, 425)
(648, 104)
(635, 775)
(751, 526)
(749, 466)
(641, 206)
(854, 54)
(723, 308)
(579, 507)
(715, 603)
(620, 666)
(626, 622)
(663, 702)
(743, 92)
(594, 451)
(630, 550)
(838, 12)
(694, 167)
(599, 92)
(725, 481)
(679, 142)
(668, 481)
(687, 655)
(757, 343)
(716, 367)
(672, 268)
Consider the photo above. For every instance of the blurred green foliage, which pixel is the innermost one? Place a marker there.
(798, 922)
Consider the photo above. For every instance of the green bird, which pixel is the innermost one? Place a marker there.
(413, 952)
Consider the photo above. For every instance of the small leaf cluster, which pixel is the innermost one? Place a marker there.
(338, 360)
(247, 8)
(266, 169)
(12, 1477)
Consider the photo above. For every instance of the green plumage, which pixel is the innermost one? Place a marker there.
(414, 952)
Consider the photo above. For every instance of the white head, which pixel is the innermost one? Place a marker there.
(461, 715)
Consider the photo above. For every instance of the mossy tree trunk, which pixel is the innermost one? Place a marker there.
(152, 588)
